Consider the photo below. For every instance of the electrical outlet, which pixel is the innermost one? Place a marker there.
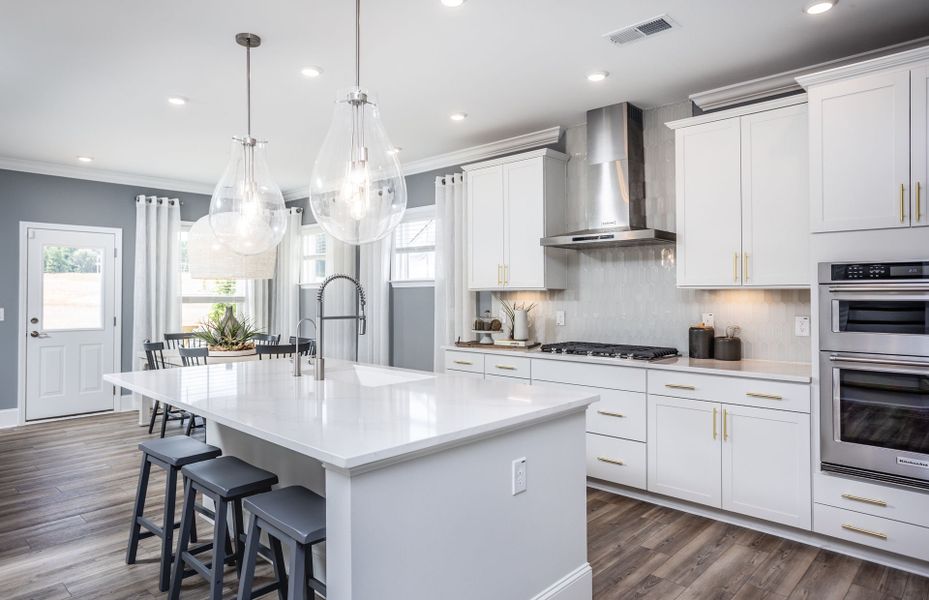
(559, 317)
(708, 319)
(1, 314)
(519, 476)
(802, 326)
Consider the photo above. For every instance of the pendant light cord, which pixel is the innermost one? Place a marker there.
(357, 43)
(248, 88)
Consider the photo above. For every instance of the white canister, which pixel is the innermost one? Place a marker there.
(520, 325)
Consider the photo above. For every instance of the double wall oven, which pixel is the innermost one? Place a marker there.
(874, 370)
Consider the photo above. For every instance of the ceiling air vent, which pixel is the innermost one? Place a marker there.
(641, 30)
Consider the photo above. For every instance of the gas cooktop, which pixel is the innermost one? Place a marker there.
(610, 350)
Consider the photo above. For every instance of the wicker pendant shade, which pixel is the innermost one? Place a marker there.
(208, 258)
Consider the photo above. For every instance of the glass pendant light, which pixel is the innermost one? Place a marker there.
(247, 212)
(357, 190)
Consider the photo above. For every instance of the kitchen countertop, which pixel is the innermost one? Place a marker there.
(796, 372)
(358, 416)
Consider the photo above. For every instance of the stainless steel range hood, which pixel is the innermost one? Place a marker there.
(614, 209)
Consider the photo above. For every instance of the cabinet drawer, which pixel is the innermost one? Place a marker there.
(464, 361)
(507, 366)
(602, 376)
(617, 413)
(615, 460)
(885, 534)
(908, 506)
(731, 390)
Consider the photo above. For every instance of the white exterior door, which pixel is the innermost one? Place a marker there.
(919, 139)
(684, 449)
(766, 464)
(525, 224)
(485, 228)
(775, 198)
(70, 321)
(860, 153)
(709, 204)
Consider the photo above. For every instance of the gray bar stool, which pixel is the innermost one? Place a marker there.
(226, 480)
(297, 517)
(171, 454)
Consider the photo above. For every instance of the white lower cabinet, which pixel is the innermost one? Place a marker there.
(616, 460)
(766, 464)
(684, 449)
(885, 534)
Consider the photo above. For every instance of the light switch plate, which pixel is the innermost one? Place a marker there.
(708, 319)
(1, 314)
(519, 476)
(802, 326)
(559, 317)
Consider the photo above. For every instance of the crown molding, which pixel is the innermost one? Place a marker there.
(92, 174)
(899, 59)
(540, 153)
(787, 82)
(748, 109)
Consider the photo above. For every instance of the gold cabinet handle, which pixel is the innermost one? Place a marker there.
(765, 396)
(865, 500)
(506, 274)
(919, 209)
(607, 413)
(463, 362)
(877, 534)
(499, 276)
(679, 386)
(714, 422)
(745, 266)
(902, 201)
(735, 267)
(612, 461)
(725, 425)
(505, 367)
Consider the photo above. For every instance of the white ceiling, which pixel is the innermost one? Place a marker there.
(91, 77)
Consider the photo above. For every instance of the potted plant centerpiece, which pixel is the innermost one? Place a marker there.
(227, 335)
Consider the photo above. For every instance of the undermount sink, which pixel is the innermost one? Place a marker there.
(371, 376)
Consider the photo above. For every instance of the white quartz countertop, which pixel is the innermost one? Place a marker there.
(797, 372)
(360, 415)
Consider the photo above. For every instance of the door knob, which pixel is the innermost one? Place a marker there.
(34, 334)
(34, 320)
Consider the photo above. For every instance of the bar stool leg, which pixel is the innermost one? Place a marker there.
(167, 544)
(183, 541)
(296, 584)
(220, 535)
(247, 570)
(238, 525)
(151, 422)
(277, 555)
(137, 510)
(164, 418)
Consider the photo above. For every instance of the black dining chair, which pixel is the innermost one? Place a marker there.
(310, 341)
(155, 359)
(193, 357)
(281, 350)
(173, 341)
(266, 339)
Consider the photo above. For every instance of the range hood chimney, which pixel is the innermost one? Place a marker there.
(614, 209)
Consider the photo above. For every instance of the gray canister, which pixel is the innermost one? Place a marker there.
(729, 347)
(700, 341)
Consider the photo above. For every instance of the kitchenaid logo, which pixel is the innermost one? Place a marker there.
(912, 462)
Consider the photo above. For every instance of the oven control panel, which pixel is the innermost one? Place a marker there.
(858, 271)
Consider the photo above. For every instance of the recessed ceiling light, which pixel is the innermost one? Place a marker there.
(818, 7)
(312, 71)
(453, 3)
(86, 158)
(177, 100)
(598, 76)
(459, 116)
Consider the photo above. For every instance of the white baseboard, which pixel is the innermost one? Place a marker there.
(9, 417)
(576, 585)
(897, 561)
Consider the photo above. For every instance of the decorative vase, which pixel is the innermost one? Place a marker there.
(520, 325)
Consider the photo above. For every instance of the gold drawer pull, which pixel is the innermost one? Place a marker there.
(865, 500)
(679, 386)
(463, 362)
(735, 267)
(877, 534)
(607, 413)
(725, 426)
(765, 396)
(505, 367)
(902, 204)
(612, 461)
(919, 208)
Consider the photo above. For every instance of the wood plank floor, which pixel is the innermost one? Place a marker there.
(66, 492)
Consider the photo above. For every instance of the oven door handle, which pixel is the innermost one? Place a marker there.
(879, 361)
(894, 288)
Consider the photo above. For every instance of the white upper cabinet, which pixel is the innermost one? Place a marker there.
(919, 140)
(514, 202)
(860, 149)
(742, 197)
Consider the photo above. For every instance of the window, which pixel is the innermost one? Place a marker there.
(203, 299)
(72, 288)
(414, 246)
(313, 260)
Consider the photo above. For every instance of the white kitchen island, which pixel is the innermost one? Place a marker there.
(417, 471)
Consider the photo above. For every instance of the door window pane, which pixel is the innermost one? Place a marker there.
(72, 288)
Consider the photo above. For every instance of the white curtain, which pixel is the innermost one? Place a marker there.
(374, 276)
(455, 306)
(340, 300)
(285, 287)
(258, 304)
(156, 292)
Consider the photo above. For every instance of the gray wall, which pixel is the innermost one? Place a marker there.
(48, 199)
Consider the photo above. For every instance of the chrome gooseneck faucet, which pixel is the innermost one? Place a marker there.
(321, 318)
(297, 372)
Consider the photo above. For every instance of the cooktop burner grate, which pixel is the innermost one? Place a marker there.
(610, 350)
